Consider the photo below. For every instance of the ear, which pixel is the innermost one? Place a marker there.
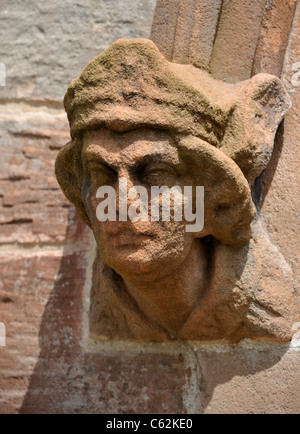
(261, 104)
(68, 167)
(228, 207)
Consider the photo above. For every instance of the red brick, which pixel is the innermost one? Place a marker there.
(40, 303)
(33, 210)
(45, 364)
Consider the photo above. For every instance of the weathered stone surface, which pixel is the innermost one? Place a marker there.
(110, 382)
(32, 208)
(184, 30)
(250, 293)
(44, 45)
(131, 84)
(29, 282)
(236, 40)
(279, 186)
(46, 365)
(232, 39)
(253, 380)
(131, 111)
(274, 35)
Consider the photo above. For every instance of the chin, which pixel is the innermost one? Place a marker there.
(133, 264)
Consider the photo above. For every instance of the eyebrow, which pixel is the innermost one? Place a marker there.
(158, 157)
(178, 167)
(94, 157)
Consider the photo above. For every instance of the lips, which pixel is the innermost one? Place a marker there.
(129, 229)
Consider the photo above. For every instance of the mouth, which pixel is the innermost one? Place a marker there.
(130, 238)
(131, 230)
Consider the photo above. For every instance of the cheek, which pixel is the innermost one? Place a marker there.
(155, 238)
(90, 202)
(174, 235)
(167, 238)
(88, 193)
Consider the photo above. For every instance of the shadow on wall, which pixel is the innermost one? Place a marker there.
(255, 387)
(69, 379)
(59, 336)
(262, 184)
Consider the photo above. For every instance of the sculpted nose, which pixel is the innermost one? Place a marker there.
(124, 184)
(128, 191)
(125, 174)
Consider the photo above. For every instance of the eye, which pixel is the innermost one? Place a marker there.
(102, 174)
(157, 174)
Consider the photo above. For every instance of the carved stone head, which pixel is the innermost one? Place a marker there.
(133, 115)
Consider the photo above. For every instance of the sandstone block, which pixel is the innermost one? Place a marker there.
(250, 380)
(236, 40)
(45, 45)
(184, 30)
(32, 208)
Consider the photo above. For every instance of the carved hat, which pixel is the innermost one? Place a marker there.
(231, 128)
(132, 84)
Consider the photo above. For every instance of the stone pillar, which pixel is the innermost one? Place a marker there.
(235, 40)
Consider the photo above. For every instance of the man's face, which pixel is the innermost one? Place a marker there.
(144, 157)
